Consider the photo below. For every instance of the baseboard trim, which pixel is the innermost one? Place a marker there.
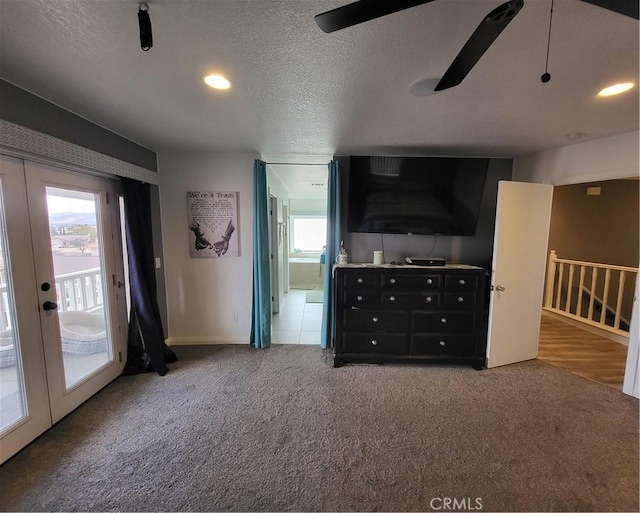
(205, 341)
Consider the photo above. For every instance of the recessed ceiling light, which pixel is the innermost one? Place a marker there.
(616, 89)
(217, 81)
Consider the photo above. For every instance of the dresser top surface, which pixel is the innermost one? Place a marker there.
(406, 266)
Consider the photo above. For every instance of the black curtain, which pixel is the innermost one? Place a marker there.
(146, 350)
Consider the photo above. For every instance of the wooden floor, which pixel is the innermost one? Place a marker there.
(582, 352)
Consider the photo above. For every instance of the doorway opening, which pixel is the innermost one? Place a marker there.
(591, 275)
(300, 233)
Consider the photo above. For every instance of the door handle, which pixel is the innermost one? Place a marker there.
(498, 288)
(49, 305)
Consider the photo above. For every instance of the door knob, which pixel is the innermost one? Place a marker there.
(499, 288)
(49, 305)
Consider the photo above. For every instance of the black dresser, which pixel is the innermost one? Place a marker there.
(390, 313)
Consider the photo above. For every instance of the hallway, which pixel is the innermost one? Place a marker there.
(298, 322)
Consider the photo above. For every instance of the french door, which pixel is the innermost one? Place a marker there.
(62, 304)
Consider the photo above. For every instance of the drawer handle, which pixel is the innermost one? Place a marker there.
(429, 281)
(442, 343)
(460, 299)
(428, 299)
(374, 342)
(359, 298)
(392, 298)
(461, 282)
(443, 320)
(392, 281)
(375, 319)
(360, 280)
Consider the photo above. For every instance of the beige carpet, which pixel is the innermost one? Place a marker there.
(230, 428)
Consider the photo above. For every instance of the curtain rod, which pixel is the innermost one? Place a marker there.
(293, 164)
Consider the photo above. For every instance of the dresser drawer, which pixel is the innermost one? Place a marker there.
(374, 320)
(360, 298)
(461, 281)
(443, 322)
(442, 345)
(376, 343)
(357, 279)
(459, 300)
(411, 299)
(411, 281)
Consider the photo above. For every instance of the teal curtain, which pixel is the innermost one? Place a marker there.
(261, 311)
(334, 234)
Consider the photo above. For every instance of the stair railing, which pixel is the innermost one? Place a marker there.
(598, 311)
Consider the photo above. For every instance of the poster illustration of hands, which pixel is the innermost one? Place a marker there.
(213, 221)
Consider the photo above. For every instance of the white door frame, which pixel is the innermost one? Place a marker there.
(285, 247)
(273, 250)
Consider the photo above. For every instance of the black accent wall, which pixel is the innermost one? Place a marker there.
(477, 250)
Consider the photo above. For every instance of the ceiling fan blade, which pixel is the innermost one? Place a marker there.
(627, 7)
(486, 33)
(359, 12)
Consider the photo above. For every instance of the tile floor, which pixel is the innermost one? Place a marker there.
(297, 322)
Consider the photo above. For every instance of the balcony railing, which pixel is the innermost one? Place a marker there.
(78, 291)
(599, 295)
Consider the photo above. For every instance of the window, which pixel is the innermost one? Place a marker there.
(308, 235)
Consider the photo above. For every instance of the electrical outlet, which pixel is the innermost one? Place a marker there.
(158, 263)
(235, 318)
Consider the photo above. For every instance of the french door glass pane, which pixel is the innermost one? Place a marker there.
(79, 280)
(12, 401)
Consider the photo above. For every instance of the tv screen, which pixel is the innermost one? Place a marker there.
(415, 195)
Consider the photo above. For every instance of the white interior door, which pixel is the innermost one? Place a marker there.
(62, 309)
(631, 384)
(517, 275)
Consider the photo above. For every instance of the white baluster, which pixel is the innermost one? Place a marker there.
(592, 292)
(551, 274)
(616, 322)
(567, 305)
(558, 292)
(580, 287)
(605, 297)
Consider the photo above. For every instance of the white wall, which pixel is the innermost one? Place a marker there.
(602, 159)
(203, 294)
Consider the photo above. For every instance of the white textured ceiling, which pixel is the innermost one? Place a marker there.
(302, 95)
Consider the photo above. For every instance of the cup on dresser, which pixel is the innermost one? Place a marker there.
(378, 259)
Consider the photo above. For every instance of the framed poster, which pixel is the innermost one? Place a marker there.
(213, 221)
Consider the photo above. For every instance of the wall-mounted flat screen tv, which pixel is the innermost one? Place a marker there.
(415, 195)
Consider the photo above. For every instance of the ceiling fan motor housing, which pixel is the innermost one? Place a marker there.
(505, 11)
